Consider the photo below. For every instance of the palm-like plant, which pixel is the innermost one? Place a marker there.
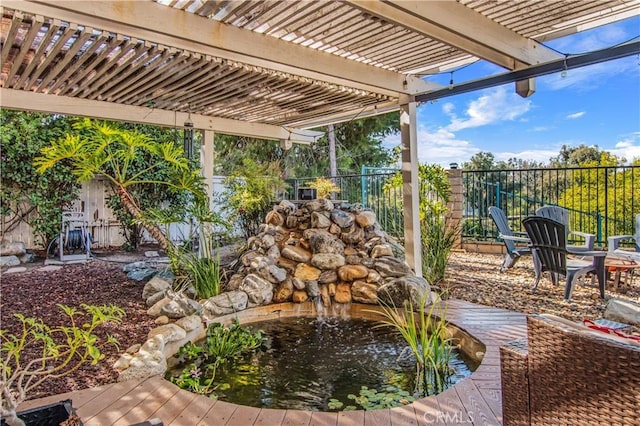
(99, 148)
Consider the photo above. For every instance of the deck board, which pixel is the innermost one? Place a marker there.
(268, 417)
(377, 418)
(351, 418)
(173, 406)
(323, 419)
(243, 416)
(477, 398)
(149, 405)
(296, 418)
(218, 414)
(194, 412)
(478, 410)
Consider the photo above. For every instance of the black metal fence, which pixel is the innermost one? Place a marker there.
(601, 200)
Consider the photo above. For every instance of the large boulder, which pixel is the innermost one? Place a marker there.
(621, 310)
(9, 260)
(364, 292)
(16, 248)
(180, 306)
(416, 289)
(155, 285)
(342, 219)
(392, 267)
(327, 261)
(296, 253)
(226, 303)
(259, 291)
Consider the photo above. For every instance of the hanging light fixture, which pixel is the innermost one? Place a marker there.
(188, 138)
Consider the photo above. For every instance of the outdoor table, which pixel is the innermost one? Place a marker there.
(617, 265)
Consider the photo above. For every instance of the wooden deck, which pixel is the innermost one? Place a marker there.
(476, 400)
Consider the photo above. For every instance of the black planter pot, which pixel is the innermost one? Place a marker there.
(48, 415)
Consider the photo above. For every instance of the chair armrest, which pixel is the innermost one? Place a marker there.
(614, 242)
(589, 239)
(591, 253)
(515, 238)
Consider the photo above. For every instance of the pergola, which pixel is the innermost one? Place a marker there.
(274, 69)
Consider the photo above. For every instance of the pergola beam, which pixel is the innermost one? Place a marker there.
(31, 101)
(342, 117)
(463, 28)
(569, 63)
(151, 21)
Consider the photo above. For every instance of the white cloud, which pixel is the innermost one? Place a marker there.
(541, 129)
(629, 147)
(448, 108)
(540, 155)
(575, 115)
(440, 146)
(493, 106)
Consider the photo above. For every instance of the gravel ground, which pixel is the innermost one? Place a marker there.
(471, 277)
(476, 278)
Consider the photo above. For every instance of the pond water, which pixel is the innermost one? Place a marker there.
(307, 361)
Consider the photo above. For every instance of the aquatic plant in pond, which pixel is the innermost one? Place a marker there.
(427, 338)
(323, 364)
(201, 361)
(372, 399)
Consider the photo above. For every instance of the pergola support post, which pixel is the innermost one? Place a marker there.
(206, 162)
(206, 171)
(410, 186)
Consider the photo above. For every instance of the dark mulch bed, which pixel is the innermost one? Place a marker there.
(35, 293)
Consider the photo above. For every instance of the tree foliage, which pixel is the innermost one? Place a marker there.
(359, 143)
(128, 160)
(154, 195)
(250, 192)
(25, 195)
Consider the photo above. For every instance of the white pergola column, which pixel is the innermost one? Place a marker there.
(206, 163)
(410, 186)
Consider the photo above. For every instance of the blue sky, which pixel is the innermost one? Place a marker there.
(594, 105)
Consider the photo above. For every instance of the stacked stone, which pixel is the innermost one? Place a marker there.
(337, 254)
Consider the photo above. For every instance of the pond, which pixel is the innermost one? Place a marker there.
(307, 361)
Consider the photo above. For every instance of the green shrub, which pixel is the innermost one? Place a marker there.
(41, 352)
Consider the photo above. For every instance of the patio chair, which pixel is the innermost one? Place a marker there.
(549, 241)
(510, 238)
(613, 245)
(568, 374)
(560, 214)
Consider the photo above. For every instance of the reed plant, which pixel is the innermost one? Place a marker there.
(427, 337)
(201, 270)
(438, 239)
